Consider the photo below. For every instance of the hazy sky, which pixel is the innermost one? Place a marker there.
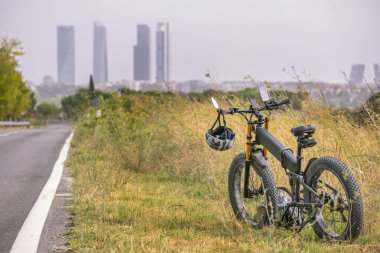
(229, 38)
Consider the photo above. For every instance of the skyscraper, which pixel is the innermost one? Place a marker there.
(100, 67)
(66, 55)
(376, 71)
(141, 54)
(357, 73)
(162, 53)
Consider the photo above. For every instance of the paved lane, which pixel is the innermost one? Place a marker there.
(27, 158)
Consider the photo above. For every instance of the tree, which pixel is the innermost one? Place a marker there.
(91, 88)
(369, 112)
(33, 102)
(14, 94)
(373, 102)
(46, 110)
(75, 104)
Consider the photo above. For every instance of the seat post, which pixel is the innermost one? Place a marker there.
(303, 134)
(299, 163)
(299, 152)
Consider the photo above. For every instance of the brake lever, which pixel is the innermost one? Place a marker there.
(270, 105)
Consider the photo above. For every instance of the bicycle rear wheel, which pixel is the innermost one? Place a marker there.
(341, 217)
(260, 207)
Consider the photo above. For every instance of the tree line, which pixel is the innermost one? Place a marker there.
(16, 100)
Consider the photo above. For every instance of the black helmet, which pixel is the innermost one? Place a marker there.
(220, 138)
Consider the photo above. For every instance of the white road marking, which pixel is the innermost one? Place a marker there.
(29, 236)
(9, 133)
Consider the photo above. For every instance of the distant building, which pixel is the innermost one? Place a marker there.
(48, 80)
(357, 73)
(192, 86)
(66, 55)
(376, 71)
(100, 67)
(162, 53)
(141, 54)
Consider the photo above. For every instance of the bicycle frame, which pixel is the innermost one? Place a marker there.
(290, 162)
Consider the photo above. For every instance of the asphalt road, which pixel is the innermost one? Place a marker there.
(27, 158)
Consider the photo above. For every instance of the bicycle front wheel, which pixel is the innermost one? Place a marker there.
(259, 206)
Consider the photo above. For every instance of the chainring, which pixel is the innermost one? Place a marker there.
(289, 217)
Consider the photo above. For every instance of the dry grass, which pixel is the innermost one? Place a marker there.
(145, 180)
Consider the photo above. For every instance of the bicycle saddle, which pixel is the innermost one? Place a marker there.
(300, 130)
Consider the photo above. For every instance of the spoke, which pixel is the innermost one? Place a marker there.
(346, 207)
(328, 186)
(335, 221)
(344, 219)
(335, 209)
(255, 199)
(328, 215)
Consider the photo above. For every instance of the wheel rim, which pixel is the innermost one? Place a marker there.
(334, 215)
(255, 208)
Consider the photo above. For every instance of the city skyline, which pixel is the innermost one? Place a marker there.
(66, 55)
(258, 38)
(141, 55)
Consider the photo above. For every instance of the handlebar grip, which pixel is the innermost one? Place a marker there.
(283, 102)
(230, 111)
(224, 112)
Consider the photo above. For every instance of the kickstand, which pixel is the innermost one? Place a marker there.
(283, 219)
(309, 219)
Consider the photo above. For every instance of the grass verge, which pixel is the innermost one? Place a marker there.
(145, 180)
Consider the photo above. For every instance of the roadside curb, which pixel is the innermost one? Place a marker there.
(59, 220)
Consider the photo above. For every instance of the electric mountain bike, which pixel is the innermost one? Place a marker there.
(324, 194)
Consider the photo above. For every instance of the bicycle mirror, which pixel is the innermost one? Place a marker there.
(214, 103)
(263, 92)
(254, 103)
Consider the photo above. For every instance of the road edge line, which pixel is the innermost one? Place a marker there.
(28, 237)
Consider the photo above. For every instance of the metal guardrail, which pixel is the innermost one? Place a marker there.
(5, 124)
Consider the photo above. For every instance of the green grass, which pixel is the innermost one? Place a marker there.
(145, 181)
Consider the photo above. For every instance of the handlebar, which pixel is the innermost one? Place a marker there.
(283, 102)
(268, 106)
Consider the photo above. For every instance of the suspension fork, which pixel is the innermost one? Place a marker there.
(247, 158)
(248, 155)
